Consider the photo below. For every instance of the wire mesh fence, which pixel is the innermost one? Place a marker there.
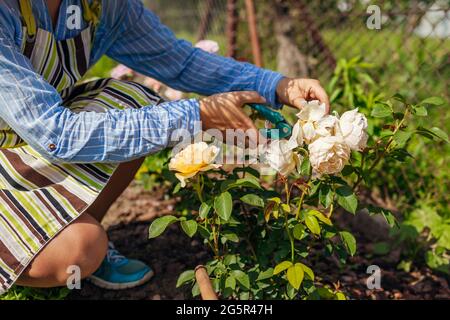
(407, 42)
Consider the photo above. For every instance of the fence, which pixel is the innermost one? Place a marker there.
(408, 42)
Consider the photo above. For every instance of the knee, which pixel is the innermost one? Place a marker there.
(88, 252)
(81, 247)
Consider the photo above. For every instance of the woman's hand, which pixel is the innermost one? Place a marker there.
(224, 111)
(293, 91)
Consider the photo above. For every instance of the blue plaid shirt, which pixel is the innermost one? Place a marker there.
(135, 37)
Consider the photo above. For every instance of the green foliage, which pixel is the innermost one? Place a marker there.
(23, 293)
(409, 172)
(262, 238)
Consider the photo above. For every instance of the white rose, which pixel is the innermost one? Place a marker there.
(328, 155)
(193, 159)
(353, 128)
(296, 139)
(313, 121)
(279, 156)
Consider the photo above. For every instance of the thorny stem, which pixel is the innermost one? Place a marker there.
(384, 151)
(198, 186)
(247, 238)
(300, 204)
(286, 218)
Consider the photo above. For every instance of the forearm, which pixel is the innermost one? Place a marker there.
(114, 136)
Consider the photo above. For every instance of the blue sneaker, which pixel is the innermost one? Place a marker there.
(117, 272)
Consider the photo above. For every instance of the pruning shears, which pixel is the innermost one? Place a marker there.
(281, 128)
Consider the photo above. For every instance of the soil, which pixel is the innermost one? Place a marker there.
(172, 253)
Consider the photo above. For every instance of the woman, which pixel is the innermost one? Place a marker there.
(67, 151)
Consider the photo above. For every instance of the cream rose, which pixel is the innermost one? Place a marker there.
(193, 159)
(280, 156)
(353, 128)
(328, 155)
(314, 121)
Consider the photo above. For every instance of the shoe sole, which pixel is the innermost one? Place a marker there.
(120, 286)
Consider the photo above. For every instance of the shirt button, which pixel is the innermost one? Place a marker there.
(52, 146)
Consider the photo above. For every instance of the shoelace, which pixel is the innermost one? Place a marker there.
(113, 255)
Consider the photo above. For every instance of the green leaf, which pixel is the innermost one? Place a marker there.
(349, 242)
(295, 275)
(399, 97)
(177, 188)
(347, 199)
(189, 227)
(326, 196)
(312, 224)
(434, 101)
(204, 232)
(233, 237)
(420, 111)
(305, 167)
(275, 199)
(432, 133)
(299, 231)
(204, 210)
(340, 296)
(230, 282)
(286, 207)
(253, 200)
(248, 182)
(242, 278)
(390, 218)
(281, 267)
(401, 137)
(185, 277)
(382, 110)
(308, 271)
(264, 275)
(195, 290)
(319, 215)
(440, 134)
(223, 204)
(160, 225)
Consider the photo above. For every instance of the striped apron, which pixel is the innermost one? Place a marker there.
(38, 199)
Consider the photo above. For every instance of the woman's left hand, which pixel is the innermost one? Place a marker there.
(293, 92)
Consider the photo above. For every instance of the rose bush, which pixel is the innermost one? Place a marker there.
(262, 231)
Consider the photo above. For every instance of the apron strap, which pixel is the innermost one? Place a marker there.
(28, 17)
(92, 13)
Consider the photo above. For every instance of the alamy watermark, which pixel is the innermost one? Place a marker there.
(374, 21)
(73, 281)
(74, 17)
(374, 280)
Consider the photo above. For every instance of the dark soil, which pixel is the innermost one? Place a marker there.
(172, 253)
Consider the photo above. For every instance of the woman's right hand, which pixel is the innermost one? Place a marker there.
(224, 111)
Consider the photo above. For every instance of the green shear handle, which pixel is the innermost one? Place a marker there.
(282, 129)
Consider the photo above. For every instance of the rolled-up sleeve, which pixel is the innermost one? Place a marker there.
(144, 44)
(34, 110)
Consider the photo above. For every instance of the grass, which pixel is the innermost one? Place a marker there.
(22, 293)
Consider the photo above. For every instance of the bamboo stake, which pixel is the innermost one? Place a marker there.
(253, 28)
(204, 283)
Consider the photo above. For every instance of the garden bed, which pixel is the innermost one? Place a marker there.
(173, 252)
